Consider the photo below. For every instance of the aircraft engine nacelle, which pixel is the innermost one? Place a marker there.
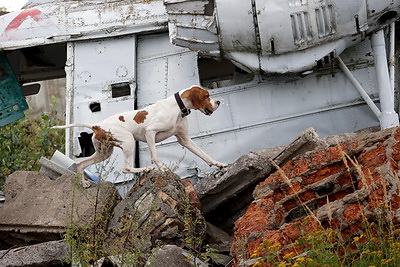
(276, 36)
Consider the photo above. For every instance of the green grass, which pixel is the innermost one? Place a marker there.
(23, 142)
(378, 245)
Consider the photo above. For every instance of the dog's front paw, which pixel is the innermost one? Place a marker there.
(148, 169)
(220, 165)
(164, 168)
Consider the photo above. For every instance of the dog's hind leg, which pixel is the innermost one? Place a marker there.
(98, 156)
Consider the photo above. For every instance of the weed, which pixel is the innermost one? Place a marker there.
(132, 241)
(376, 243)
(25, 141)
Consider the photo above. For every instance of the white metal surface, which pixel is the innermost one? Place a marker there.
(257, 114)
(49, 22)
(253, 116)
(69, 96)
(279, 36)
(359, 88)
(392, 57)
(108, 42)
(192, 24)
(97, 64)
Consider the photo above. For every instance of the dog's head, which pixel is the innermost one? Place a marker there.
(200, 99)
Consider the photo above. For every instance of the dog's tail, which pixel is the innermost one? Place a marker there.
(72, 125)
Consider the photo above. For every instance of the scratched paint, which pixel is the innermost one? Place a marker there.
(33, 13)
(27, 24)
(65, 21)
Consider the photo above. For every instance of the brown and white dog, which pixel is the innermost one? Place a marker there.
(152, 124)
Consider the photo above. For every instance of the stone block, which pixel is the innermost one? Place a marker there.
(213, 190)
(217, 238)
(38, 209)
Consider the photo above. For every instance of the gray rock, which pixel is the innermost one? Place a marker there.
(171, 255)
(308, 140)
(218, 239)
(219, 187)
(168, 255)
(51, 253)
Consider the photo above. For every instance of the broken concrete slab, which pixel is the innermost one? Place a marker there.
(218, 192)
(225, 194)
(231, 181)
(38, 209)
(345, 137)
(58, 165)
(308, 140)
(53, 253)
(53, 170)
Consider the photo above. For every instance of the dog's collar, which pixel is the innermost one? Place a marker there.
(184, 110)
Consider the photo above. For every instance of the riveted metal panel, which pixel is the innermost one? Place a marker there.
(236, 36)
(278, 36)
(264, 36)
(97, 65)
(192, 24)
(259, 114)
(48, 23)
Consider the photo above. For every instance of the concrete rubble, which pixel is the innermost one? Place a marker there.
(341, 185)
(38, 210)
(155, 211)
(172, 255)
(226, 195)
(44, 254)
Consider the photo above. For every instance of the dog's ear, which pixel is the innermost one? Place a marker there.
(196, 95)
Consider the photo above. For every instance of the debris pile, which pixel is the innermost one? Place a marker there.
(340, 185)
(264, 195)
(226, 195)
(156, 211)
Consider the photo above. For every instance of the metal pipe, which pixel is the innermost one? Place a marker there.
(389, 117)
(392, 60)
(359, 88)
(69, 98)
